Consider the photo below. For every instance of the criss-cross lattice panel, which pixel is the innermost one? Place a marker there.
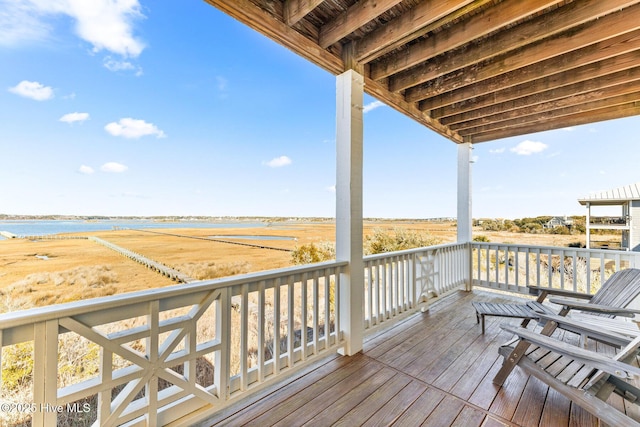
(148, 363)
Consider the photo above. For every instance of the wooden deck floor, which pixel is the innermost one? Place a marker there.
(435, 369)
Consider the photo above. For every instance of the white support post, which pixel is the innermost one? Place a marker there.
(588, 226)
(464, 192)
(464, 218)
(349, 149)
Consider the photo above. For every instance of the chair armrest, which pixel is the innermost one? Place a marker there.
(593, 331)
(595, 308)
(562, 292)
(596, 360)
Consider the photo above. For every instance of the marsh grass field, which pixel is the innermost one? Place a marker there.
(43, 272)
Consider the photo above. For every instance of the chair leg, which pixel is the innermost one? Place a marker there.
(516, 354)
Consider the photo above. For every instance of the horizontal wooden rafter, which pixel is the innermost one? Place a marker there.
(598, 102)
(495, 18)
(507, 110)
(572, 15)
(610, 113)
(585, 72)
(295, 10)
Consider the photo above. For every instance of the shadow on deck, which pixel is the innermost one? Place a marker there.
(434, 369)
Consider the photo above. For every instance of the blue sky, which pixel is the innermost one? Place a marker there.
(126, 107)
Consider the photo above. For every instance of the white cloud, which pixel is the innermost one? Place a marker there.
(87, 170)
(497, 151)
(33, 90)
(372, 106)
(105, 24)
(113, 167)
(133, 128)
(526, 148)
(569, 129)
(115, 65)
(278, 162)
(74, 117)
(331, 188)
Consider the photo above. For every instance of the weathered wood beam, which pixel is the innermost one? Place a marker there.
(506, 108)
(295, 10)
(455, 101)
(611, 113)
(543, 26)
(416, 22)
(493, 19)
(586, 72)
(600, 101)
(353, 18)
(265, 23)
(397, 102)
(593, 32)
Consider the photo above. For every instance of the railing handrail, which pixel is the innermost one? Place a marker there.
(547, 248)
(410, 251)
(41, 314)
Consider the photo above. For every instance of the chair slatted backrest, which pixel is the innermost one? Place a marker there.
(619, 290)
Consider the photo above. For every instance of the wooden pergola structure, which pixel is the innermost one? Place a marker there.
(472, 70)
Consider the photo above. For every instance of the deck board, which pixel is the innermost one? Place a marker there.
(434, 369)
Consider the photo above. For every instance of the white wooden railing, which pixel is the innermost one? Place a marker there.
(397, 282)
(174, 354)
(512, 268)
(153, 357)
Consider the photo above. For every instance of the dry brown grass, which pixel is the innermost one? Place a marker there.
(37, 281)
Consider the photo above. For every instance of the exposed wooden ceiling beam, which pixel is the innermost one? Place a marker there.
(584, 73)
(610, 113)
(492, 19)
(259, 19)
(562, 19)
(453, 102)
(604, 28)
(352, 19)
(551, 114)
(593, 87)
(397, 102)
(295, 10)
(418, 21)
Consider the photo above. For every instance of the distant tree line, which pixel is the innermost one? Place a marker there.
(536, 225)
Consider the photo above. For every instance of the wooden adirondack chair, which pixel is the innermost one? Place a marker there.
(585, 377)
(611, 300)
(618, 291)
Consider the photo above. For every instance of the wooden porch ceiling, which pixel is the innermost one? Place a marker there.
(472, 70)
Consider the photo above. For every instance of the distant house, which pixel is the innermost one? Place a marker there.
(558, 221)
(628, 198)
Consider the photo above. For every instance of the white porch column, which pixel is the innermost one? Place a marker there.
(349, 135)
(464, 193)
(588, 226)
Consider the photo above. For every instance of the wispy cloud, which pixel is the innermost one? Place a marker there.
(497, 150)
(117, 65)
(278, 162)
(331, 188)
(113, 167)
(74, 117)
(87, 170)
(133, 129)
(569, 129)
(33, 90)
(526, 148)
(372, 106)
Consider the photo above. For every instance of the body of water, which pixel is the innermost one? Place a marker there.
(37, 227)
